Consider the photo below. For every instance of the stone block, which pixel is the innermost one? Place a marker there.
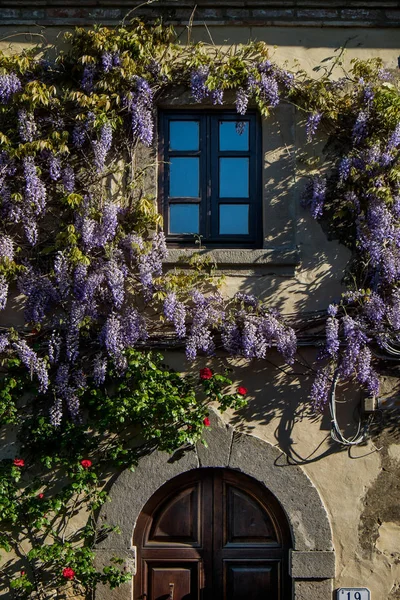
(273, 13)
(103, 559)
(237, 13)
(313, 590)
(360, 14)
(393, 15)
(218, 439)
(66, 13)
(9, 13)
(32, 15)
(312, 565)
(321, 14)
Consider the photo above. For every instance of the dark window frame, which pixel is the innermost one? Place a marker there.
(209, 200)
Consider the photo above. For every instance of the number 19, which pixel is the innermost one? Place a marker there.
(357, 596)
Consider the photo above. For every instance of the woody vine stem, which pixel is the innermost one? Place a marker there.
(82, 244)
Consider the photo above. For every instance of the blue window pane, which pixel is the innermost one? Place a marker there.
(184, 177)
(234, 219)
(184, 218)
(184, 135)
(234, 177)
(233, 135)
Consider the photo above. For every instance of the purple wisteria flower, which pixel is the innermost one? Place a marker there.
(9, 85)
(317, 199)
(217, 96)
(269, 90)
(6, 247)
(3, 292)
(320, 388)
(344, 168)
(54, 167)
(313, 122)
(107, 61)
(62, 275)
(354, 339)
(150, 264)
(231, 337)
(87, 82)
(68, 179)
(332, 310)
(198, 84)
(133, 328)
(332, 337)
(394, 140)
(248, 299)
(175, 312)
(102, 146)
(56, 413)
(115, 277)
(374, 308)
(4, 342)
(66, 390)
(36, 366)
(242, 101)
(369, 95)
(27, 126)
(207, 313)
(54, 347)
(360, 127)
(140, 103)
(99, 369)
(35, 190)
(75, 317)
(40, 293)
(111, 338)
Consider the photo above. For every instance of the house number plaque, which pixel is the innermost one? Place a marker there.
(353, 594)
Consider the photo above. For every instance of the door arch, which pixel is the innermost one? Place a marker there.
(311, 558)
(212, 534)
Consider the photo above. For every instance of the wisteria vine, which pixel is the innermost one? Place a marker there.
(89, 265)
(82, 250)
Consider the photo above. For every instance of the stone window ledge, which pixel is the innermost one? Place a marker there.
(237, 258)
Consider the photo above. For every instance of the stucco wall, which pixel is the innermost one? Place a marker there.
(356, 486)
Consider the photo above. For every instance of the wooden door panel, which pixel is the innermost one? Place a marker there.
(251, 580)
(177, 520)
(247, 520)
(172, 581)
(212, 534)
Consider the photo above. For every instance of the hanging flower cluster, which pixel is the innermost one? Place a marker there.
(363, 187)
(89, 265)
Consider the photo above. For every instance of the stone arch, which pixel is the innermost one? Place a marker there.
(312, 561)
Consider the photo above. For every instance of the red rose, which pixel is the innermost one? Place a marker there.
(40, 496)
(19, 462)
(86, 463)
(206, 422)
(22, 573)
(242, 391)
(206, 373)
(68, 573)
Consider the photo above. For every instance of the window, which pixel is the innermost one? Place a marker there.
(210, 178)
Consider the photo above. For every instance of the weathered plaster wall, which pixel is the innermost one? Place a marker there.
(359, 487)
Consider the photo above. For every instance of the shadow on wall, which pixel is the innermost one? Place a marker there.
(281, 402)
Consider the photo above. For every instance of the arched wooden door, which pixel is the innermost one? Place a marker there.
(212, 534)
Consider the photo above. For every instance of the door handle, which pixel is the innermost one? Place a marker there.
(171, 591)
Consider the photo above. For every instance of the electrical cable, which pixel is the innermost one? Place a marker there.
(336, 433)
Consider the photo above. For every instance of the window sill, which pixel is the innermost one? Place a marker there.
(237, 260)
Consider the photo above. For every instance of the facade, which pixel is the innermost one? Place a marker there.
(303, 516)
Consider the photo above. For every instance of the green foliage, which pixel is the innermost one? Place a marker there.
(149, 407)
